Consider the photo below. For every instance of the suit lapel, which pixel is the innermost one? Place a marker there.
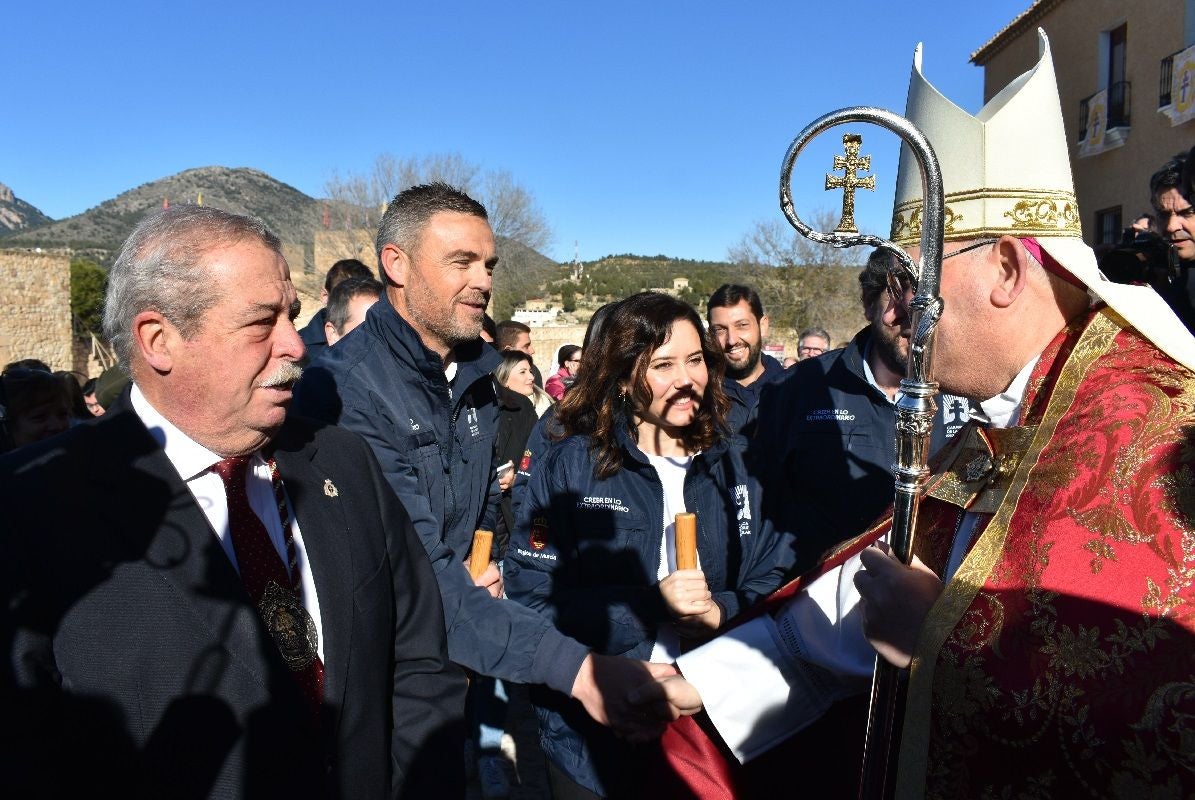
(323, 526)
(157, 515)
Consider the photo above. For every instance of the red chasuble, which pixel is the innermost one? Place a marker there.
(1061, 657)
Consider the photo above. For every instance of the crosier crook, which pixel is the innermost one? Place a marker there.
(916, 407)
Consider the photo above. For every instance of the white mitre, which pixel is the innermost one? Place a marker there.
(1006, 171)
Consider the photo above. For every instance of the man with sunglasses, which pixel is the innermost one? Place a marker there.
(1046, 620)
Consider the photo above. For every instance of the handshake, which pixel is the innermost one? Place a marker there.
(635, 698)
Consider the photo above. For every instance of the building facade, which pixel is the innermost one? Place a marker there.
(1125, 72)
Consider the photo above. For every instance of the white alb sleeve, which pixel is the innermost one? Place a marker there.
(767, 679)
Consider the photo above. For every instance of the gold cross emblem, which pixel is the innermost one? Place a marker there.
(850, 164)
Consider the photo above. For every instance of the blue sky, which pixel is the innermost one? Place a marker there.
(642, 127)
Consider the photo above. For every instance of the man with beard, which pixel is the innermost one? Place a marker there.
(415, 380)
(825, 437)
(736, 319)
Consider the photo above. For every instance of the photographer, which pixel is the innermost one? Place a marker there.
(1172, 193)
(1162, 258)
(1171, 190)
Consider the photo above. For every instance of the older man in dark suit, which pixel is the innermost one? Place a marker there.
(205, 598)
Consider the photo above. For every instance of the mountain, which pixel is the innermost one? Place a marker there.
(17, 215)
(291, 214)
(521, 274)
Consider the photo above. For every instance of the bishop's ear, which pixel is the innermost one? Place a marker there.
(1011, 271)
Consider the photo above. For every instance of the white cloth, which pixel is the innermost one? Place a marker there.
(763, 681)
(672, 471)
(193, 462)
(768, 679)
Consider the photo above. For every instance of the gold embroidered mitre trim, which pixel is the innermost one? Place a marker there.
(993, 212)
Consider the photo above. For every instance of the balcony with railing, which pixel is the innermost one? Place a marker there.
(1117, 100)
(1166, 79)
(1176, 103)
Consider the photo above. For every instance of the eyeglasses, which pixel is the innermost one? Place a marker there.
(811, 350)
(900, 282)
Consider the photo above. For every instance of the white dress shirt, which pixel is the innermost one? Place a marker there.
(194, 464)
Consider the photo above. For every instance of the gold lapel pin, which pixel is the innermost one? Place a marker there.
(330, 488)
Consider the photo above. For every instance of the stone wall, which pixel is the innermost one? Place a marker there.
(36, 322)
(547, 341)
(309, 264)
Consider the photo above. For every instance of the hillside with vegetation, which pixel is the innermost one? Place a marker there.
(793, 297)
(294, 216)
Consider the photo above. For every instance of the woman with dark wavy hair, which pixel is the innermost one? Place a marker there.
(642, 437)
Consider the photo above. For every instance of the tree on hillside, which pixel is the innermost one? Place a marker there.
(513, 211)
(774, 243)
(799, 297)
(88, 284)
(514, 214)
(568, 298)
(800, 280)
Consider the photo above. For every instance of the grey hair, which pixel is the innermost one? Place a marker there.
(409, 211)
(814, 330)
(161, 267)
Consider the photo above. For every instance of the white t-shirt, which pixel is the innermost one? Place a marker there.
(672, 471)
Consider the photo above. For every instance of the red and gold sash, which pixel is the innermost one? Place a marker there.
(1062, 652)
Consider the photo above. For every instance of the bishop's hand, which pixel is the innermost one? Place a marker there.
(896, 600)
(670, 696)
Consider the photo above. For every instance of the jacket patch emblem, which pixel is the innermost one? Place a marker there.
(414, 424)
(830, 415)
(955, 412)
(525, 463)
(592, 503)
(330, 488)
(742, 499)
(471, 420)
(539, 533)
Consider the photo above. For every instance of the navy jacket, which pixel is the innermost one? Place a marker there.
(824, 449)
(313, 337)
(586, 552)
(516, 420)
(436, 448)
(539, 441)
(744, 400)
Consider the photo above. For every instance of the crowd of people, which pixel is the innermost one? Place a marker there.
(267, 579)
